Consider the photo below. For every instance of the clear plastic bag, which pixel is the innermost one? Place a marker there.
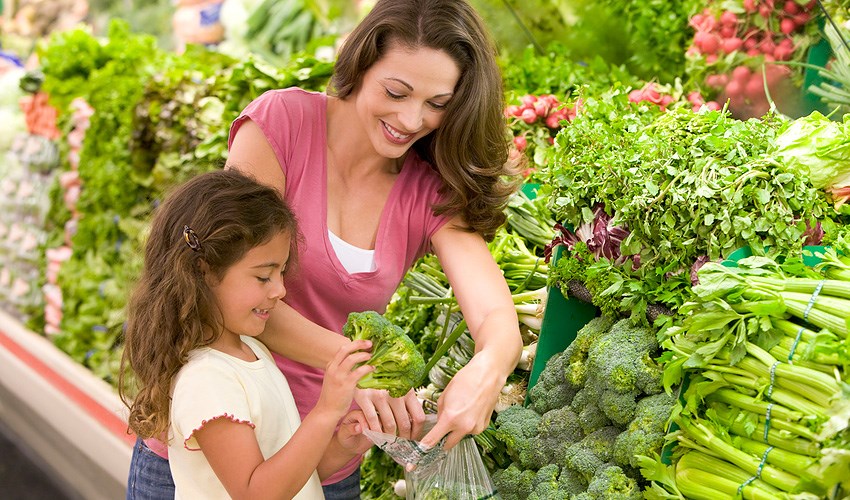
(436, 474)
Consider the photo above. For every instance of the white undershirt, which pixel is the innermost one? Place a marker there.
(353, 259)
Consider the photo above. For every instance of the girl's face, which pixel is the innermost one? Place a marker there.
(403, 96)
(252, 287)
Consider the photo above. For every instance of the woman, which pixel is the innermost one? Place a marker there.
(406, 154)
(412, 123)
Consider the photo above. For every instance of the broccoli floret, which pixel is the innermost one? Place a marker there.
(601, 442)
(611, 483)
(516, 426)
(586, 405)
(583, 462)
(513, 483)
(571, 482)
(576, 354)
(557, 429)
(622, 359)
(399, 366)
(545, 485)
(619, 407)
(645, 434)
(552, 390)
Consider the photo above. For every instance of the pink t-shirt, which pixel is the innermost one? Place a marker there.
(294, 122)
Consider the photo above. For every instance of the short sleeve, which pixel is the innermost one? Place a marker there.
(204, 392)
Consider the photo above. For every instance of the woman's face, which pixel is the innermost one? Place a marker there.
(403, 96)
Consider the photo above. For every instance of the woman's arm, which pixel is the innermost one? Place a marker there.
(467, 402)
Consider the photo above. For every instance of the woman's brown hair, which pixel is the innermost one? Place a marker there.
(470, 148)
(214, 218)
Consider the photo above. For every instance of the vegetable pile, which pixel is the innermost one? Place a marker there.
(399, 366)
(595, 407)
(762, 351)
(688, 187)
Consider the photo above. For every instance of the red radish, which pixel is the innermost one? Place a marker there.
(767, 46)
(520, 142)
(513, 110)
(695, 97)
(791, 7)
(754, 89)
(651, 94)
(711, 58)
(753, 52)
(554, 120)
(710, 44)
(729, 18)
(716, 81)
(528, 116)
(713, 105)
(728, 31)
(750, 6)
(696, 21)
(528, 100)
(787, 25)
(541, 108)
(782, 53)
(765, 11)
(636, 95)
(741, 74)
(734, 88)
(731, 44)
(750, 43)
(802, 18)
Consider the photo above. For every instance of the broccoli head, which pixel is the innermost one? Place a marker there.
(556, 430)
(621, 360)
(552, 390)
(571, 482)
(583, 462)
(645, 434)
(611, 483)
(619, 407)
(576, 354)
(545, 485)
(516, 426)
(590, 415)
(513, 483)
(399, 366)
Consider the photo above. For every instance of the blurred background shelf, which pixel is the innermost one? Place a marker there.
(71, 421)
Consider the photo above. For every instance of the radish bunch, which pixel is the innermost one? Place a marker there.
(745, 36)
(661, 95)
(535, 122)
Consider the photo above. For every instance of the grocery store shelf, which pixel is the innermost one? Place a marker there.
(71, 420)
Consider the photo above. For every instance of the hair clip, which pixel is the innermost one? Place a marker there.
(191, 238)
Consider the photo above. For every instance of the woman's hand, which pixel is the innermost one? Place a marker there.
(467, 403)
(399, 416)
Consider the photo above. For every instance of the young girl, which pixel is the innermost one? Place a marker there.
(214, 265)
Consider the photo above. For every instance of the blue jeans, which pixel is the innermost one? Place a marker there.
(347, 489)
(150, 475)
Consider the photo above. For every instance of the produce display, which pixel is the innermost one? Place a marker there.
(686, 171)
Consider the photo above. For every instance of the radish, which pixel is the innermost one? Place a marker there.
(528, 100)
(554, 120)
(787, 25)
(729, 18)
(513, 110)
(529, 116)
(731, 44)
(636, 95)
(767, 46)
(710, 44)
(734, 88)
(541, 108)
(782, 53)
(741, 74)
(802, 18)
(765, 11)
(754, 90)
(716, 81)
(520, 142)
(695, 97)
(750, 6)
(713, 105)
(728, 31)
(791, 7)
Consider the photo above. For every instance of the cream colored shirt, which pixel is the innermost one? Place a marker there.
(216, 385)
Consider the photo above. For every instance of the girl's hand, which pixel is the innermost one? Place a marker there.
(467, 403)
(350, 433)
(342, 375)
(402, 417)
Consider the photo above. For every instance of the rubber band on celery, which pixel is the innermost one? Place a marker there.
(772, 379)
(758, 472)
(812, 300)
(767, 421)
(794, 345)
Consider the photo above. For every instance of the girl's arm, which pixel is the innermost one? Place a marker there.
(467, 402)
(233, 452)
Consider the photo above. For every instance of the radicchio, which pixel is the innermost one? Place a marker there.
(601, 236)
